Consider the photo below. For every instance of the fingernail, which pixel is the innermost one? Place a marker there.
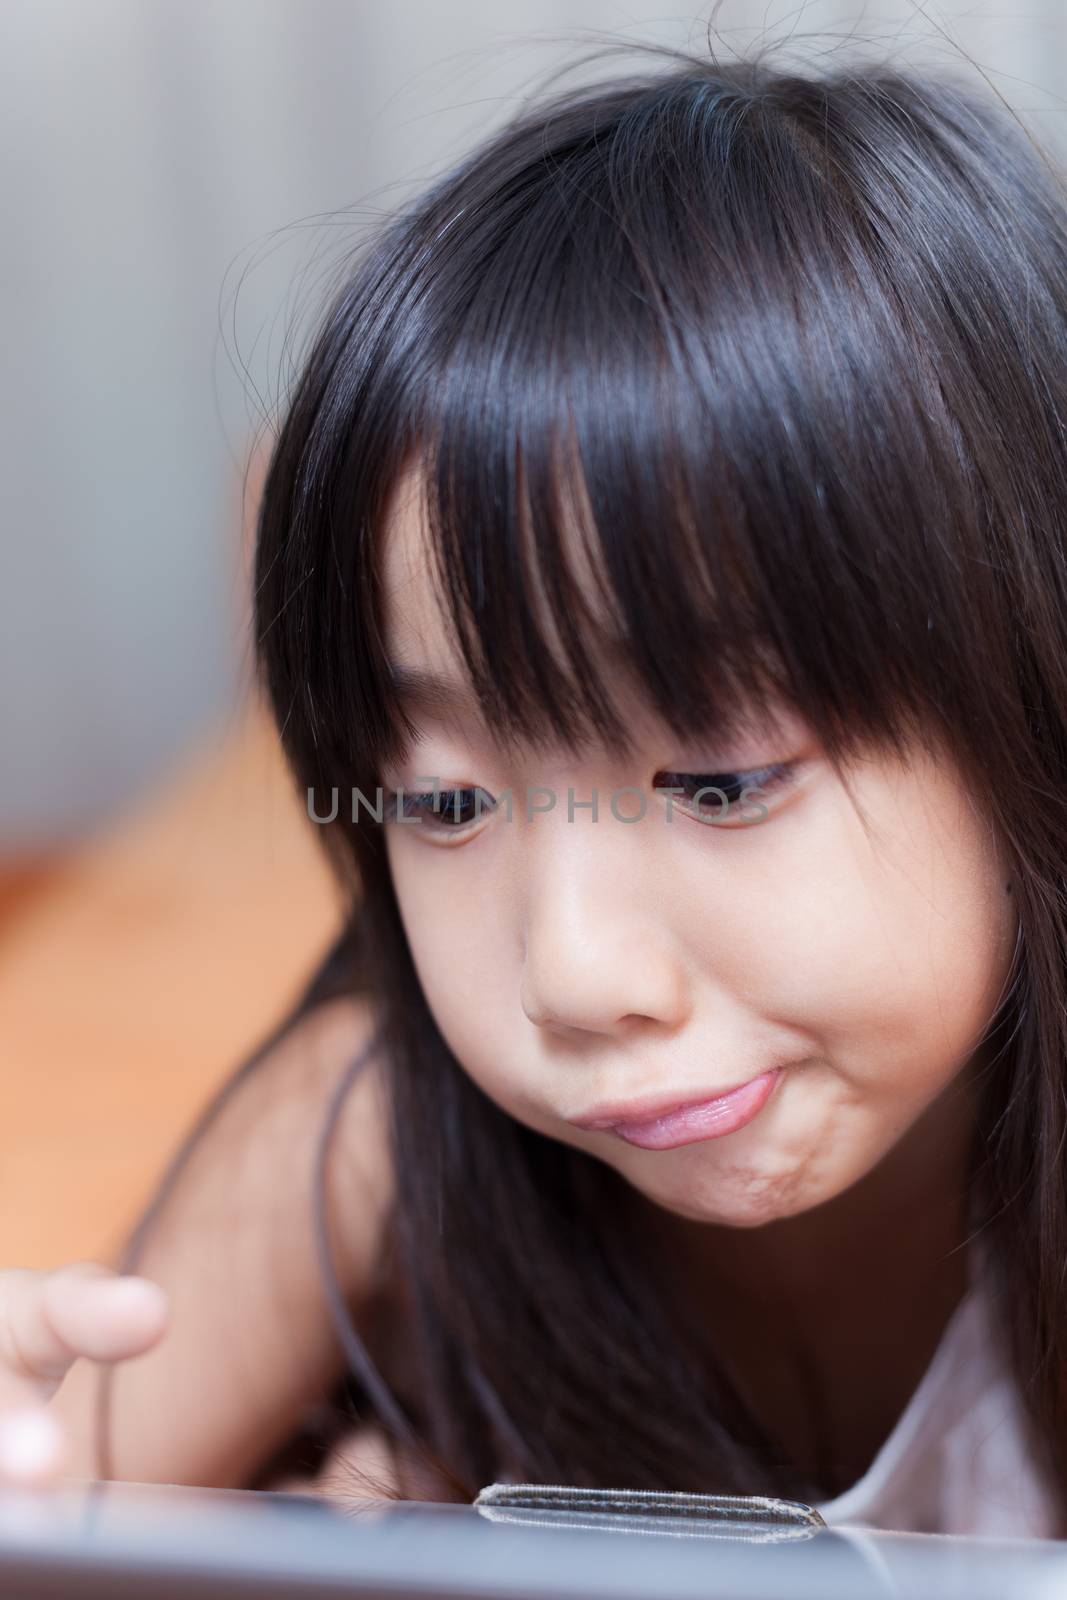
(30, 1443)
(141, 1291)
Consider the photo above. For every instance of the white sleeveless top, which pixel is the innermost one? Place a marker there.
(955, 1461)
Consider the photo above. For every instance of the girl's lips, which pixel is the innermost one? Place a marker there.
(710, 1119)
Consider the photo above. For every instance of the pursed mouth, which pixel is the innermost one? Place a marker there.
(639, 1112)
(690, 1121)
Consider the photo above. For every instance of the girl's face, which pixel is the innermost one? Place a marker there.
(573, 964)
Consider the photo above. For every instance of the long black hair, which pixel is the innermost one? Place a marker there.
(791, 346)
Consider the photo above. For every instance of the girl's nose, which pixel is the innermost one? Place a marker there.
(598, 957)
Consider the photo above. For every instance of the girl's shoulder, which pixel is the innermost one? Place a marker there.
(272, 1129)
(360, 1186)
(250, 1342)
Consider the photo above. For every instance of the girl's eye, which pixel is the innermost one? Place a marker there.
(724, 798)
(448, 810)
(728, 798)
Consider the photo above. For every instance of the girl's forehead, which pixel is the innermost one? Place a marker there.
(416, 628)
(426, 667)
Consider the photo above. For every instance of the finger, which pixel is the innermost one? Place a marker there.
(33, 1449)
(104, 1317)
(49, 1319)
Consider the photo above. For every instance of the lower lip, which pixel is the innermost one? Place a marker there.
(711, 1119)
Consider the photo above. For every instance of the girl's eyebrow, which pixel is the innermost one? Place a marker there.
(446, 698)
(429, 691)
(433, 693)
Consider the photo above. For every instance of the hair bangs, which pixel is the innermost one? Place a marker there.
(561, 618)
(667, 441)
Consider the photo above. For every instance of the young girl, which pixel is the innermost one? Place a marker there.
(662, 595)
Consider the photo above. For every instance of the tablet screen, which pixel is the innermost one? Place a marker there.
(88, 1542)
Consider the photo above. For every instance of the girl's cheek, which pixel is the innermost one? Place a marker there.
(458, 954)
(889, 948)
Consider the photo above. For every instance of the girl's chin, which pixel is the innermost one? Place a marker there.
(741, 1218)
(752, 1209)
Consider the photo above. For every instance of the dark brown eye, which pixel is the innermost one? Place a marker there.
(449, 809)
(727, 797)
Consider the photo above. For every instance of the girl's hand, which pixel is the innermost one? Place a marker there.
(48, 1320)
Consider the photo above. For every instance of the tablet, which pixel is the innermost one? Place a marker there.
(117, 1541)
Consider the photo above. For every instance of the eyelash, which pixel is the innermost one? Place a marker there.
(769, 779)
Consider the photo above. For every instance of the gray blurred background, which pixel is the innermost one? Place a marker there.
(176, 180)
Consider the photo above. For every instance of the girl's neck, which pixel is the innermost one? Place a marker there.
(825, 1322)
(901, 1221)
